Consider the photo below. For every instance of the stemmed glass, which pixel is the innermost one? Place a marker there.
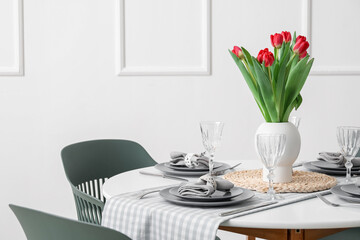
(349, 142)
(295, 120)
(271, 147)
(211, 136)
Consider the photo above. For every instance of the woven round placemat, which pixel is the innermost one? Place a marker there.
(302, 182)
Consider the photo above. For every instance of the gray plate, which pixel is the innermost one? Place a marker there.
(162, 167)
(165, 193)
(216, 196)
(331, 166)
(352, 189)
(197, 168)
(309, 166)
(344, 195)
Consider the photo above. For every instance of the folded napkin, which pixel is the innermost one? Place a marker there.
(189, 160)
(205, 186)
(337, 158)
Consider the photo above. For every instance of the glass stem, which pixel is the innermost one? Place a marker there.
(348, 166)
(211, 164)
(271, 191)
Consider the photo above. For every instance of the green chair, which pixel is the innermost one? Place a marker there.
(43, 226)
(349, 234)
(89, 164)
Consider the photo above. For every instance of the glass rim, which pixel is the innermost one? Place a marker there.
(271, 134)
(348, 127)
(212, 122)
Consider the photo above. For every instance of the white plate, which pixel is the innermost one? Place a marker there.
(344, 195)
(162, 167)
(352, 189)
(216, 196)
(331, 166)
(247, 194)
(309, 166)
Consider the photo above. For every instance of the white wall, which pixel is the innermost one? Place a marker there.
(71, 91)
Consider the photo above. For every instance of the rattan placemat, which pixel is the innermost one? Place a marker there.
(303, 182)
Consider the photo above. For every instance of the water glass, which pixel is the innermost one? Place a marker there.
(349, 142)
(211, 136)
(271, 148)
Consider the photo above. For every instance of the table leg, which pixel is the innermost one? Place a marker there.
(250, 238)
(296, 234)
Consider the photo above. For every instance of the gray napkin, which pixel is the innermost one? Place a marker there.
(205, 186)
(189, 160)
(337, 158)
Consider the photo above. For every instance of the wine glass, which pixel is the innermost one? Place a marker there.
(271, 147)
(211, 136)
(349, 142)
(295, 120)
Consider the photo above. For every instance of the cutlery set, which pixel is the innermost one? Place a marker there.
(326, 201)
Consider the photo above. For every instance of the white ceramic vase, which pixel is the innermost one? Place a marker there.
(283, 171)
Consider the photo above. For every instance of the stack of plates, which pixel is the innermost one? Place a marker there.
(349, 192)
(218, 198)
(329, 168)
(170, 169)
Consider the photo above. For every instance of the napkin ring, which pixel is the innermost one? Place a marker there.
(189, 162)
(210, 180)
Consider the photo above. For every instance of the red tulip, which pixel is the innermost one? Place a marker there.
(238, 52)
(266, 57)
(286, 36)
(276, 40)
(301, 45)
(301, 56)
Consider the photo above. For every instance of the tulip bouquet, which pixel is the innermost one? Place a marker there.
(276, 80)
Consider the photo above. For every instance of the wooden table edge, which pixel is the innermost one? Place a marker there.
(283, 234)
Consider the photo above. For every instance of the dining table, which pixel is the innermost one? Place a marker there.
(307, 219)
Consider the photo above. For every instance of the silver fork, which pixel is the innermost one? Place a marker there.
(146, 193)
(157, 190)
(337, 204)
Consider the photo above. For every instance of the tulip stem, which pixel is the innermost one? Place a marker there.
(252, 77)
(292, 58)
(269, 72)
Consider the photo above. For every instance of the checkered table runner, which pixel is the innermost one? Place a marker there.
(153, 218)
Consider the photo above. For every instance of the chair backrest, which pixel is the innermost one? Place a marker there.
(43, 226)
(97, 159)
(88, 164)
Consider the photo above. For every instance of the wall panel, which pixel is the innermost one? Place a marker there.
(161, 37)
(11, 40)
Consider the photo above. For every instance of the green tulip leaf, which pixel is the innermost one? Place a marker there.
(296, 81)
(266, 92)
(298, 101)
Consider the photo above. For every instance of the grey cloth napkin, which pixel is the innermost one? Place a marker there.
(178, 159)
(205, 186)
(337, 158)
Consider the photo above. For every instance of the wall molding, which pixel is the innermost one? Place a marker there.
(307, 29)
(17, 68)
(123, 69)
